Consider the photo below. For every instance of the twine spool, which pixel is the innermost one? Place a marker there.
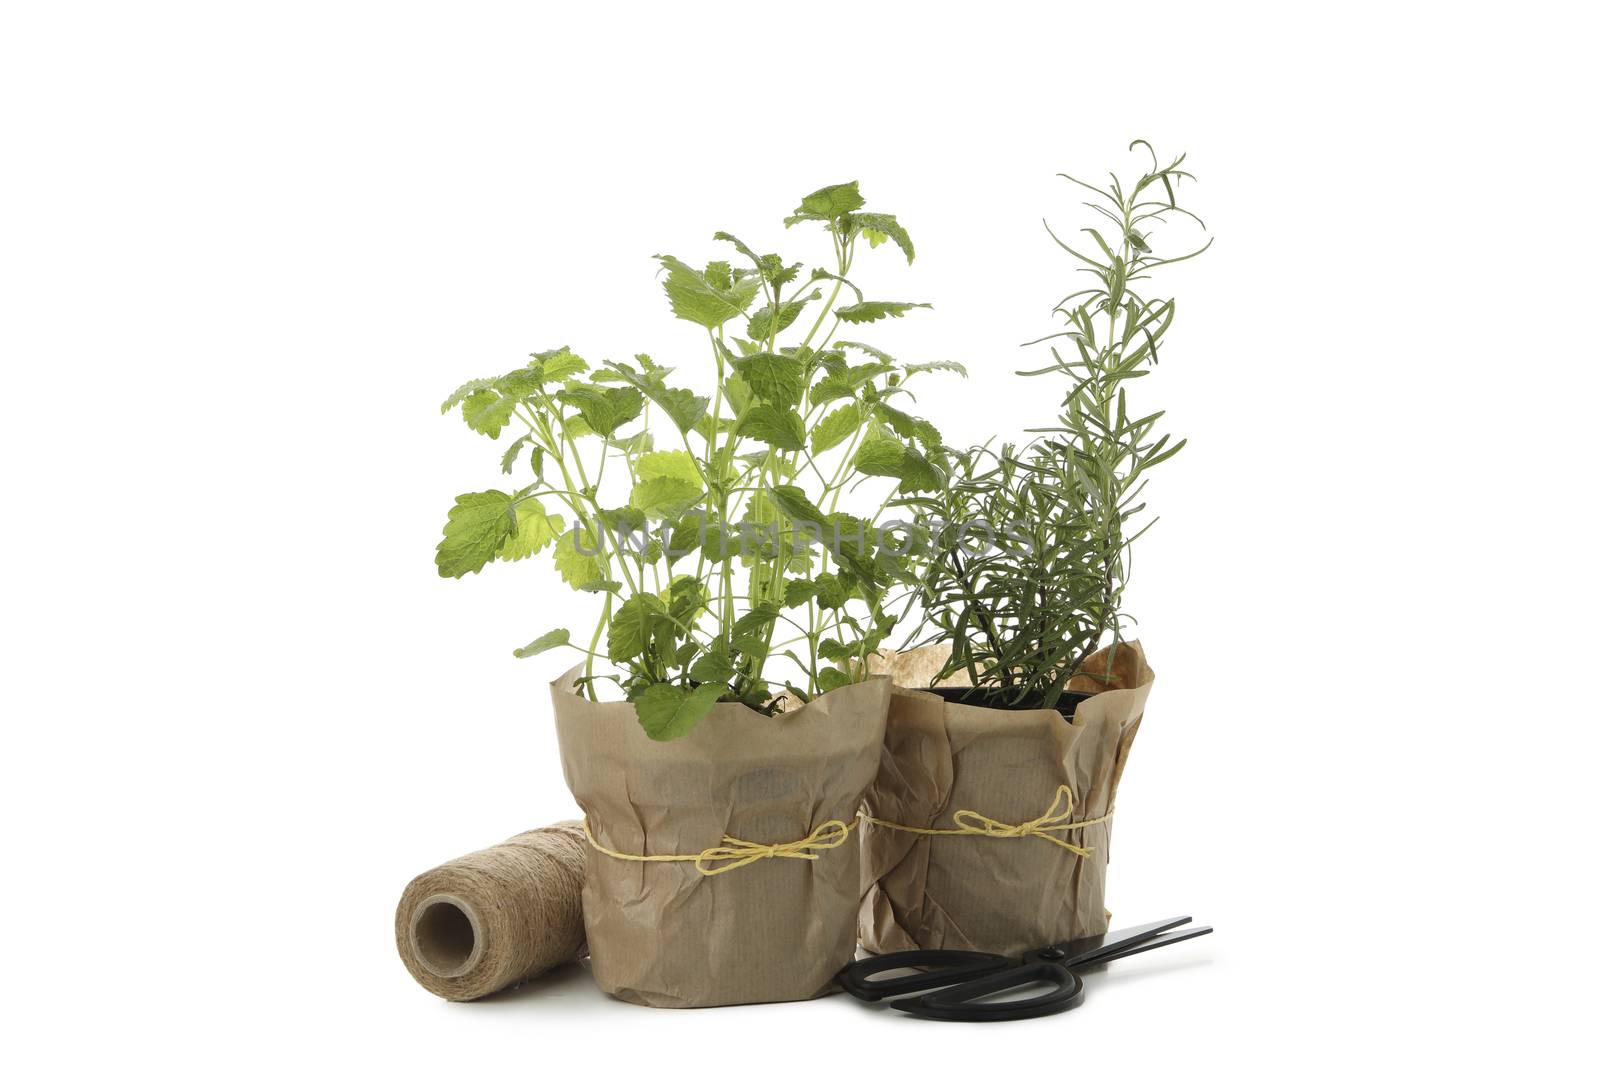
(494, 918)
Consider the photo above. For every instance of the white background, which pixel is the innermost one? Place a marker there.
(247, 249)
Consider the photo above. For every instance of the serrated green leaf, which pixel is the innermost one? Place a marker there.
(776, 379)
(604, 410)
(682, 406)
(756, 619)
(664, 497)
(876, 228)
(916, 473)
(488, 411)
(835, 427)
(465, 391)
(578, 566)
(554, 639)
(713, 666)
(667, 712)
(873, 310)
(601, 586)
(911, 426)
(880, 456)
(831, 388)
(476, 527)
(778, 428)
(837, 651)
(832, 593)
(687, 597)
(628, 634)
(797, 592)
(831, 678)
(534, 531)
(677, 464)
(831, 201)
(760, 328)
(560, 365)
(791, 500)
(510, 456)
(937, 364)
(695, 299)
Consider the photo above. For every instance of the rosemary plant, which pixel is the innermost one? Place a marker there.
(1025, 572)
(725, 551)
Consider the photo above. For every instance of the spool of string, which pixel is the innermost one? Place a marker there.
(494, 918)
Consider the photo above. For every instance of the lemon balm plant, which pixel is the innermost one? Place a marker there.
(714, 528)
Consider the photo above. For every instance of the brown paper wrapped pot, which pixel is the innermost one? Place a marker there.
(663, 933)
(986, 893)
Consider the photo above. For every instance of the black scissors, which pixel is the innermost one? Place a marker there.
(960, 980)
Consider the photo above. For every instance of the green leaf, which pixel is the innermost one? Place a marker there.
(877, 228)
(760, 328)
(880, 456)
(916, 473)
(831, 678)
(713, 666)
(511, 453)
(911, 426)
(792, 501)
(873, 310)
(833, 387)
(679, 464)
(797, 592)
(776, 379)
(578, 566)
(604, 410)
(780, 429)
(520, 384)
(488, 412)
(534, 531)
(831, 592)
(667, 712)
(559, 365)
(938, 364)
(474, 531)
(828, 203)
(837, 651)
(465, 391)
(628, 635)
(664, 497)
(553, 639)
(755, 620)
(696, 299)
(835, 427)
(681, 405)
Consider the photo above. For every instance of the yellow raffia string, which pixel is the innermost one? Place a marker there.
(734, 853)
(969, 823)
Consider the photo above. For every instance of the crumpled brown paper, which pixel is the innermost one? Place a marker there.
(981, 893)
(780, 928)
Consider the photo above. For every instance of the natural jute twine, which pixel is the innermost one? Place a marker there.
(734, 853)
(1056, 819)
(497, 917)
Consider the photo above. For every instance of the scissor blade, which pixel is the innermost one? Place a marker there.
(1088, 950)
(1155, 942)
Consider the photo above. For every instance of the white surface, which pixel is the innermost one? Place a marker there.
(246, 251)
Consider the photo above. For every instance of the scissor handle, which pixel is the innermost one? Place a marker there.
(963, 1003)
(935, 967)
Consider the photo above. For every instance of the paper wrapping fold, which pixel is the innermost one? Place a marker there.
(665, 935)
(984, 893)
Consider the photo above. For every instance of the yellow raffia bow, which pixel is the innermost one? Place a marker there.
(1046, 826)
(734, 853)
